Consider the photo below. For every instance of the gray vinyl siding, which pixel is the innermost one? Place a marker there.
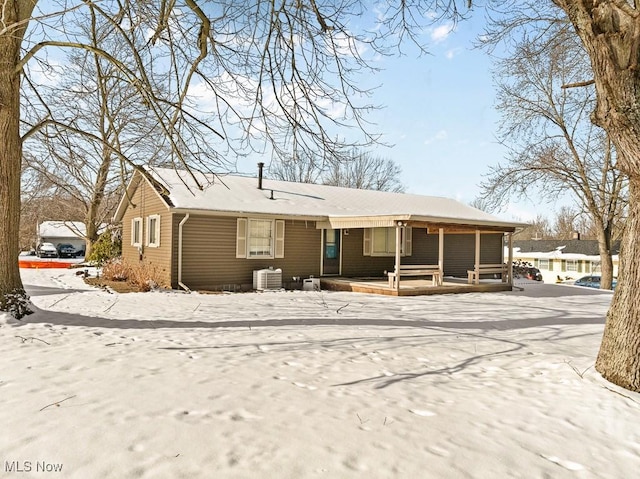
(460, 252)
(355, 264)
(425, 247)
(209, 253)
(146, 202)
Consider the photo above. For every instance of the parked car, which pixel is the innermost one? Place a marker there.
(533, 273)
(66, 250)
(47, 250)
(593, 282)
(524, 269)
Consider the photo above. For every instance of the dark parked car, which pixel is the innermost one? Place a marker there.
(592, 282)
(66, 250)
(47, 250)
(534, 274)
(524, 269)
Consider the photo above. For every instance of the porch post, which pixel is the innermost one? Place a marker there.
(441, 252)
(398, 240)
(510, 263)
(477, 266)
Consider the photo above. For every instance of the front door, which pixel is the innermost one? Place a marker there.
(331, 255)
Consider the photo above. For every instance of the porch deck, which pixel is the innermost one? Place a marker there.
(411, 287)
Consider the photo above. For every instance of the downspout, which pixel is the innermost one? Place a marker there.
(180, 283)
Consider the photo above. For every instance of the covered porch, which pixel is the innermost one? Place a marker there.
(414, 267)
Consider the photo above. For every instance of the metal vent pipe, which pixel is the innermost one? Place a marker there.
(260, 167)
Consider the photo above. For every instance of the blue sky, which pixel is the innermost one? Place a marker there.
(441, 119)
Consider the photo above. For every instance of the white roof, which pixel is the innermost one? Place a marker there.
(555, 254)
(65, 229)
(61, 229)
(240, 194)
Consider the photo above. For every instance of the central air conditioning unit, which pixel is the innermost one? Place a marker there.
(265, 279)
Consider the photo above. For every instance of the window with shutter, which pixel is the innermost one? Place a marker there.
(382, 241)
(153, 231)
(279, 253)
(136, 232)
(259, 238)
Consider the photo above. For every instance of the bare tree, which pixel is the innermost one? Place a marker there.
(608, 31)
(552, 142)
(103, 117)
(366, 172)
(218, 78)
(42, 200)
(565, 223)
(302, 167)
(538, 229)
(360, 170)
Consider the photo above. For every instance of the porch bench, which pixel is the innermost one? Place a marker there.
(417, 270)
(473, 275)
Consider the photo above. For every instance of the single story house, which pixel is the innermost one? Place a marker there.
(566, 259)
(213, 232)
(63, 232)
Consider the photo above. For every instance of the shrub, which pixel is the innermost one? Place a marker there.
(108, 246)
(116, 269)
(144, 277)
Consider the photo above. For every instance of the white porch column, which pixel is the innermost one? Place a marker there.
(477, 266)
(510, 263)
(398, 244)
(441, 252)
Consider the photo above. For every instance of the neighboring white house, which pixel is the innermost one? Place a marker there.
(568, 259)
(58, 232)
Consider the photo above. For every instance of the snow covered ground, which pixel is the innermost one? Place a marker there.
(310, 384)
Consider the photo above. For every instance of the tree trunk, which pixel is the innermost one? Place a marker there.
(619, 356)
(13, 297)
(609, 31)
(91, 219)
(606, 262)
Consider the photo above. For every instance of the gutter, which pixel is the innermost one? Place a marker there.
(180, 283)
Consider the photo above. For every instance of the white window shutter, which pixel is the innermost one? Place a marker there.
(158, 231)
(408, 241)
(133, 231)
(279, 252)
(241, 238)
(366, 244)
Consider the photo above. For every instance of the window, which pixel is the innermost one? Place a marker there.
(382, 241)
(543, 264)
(258, 238)
(572, 265)
(136, 232)
(153, 231)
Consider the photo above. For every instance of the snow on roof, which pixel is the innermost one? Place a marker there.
(61, 229)
(556, 254)
(581, 246)
(65, 229)
(231, 193)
